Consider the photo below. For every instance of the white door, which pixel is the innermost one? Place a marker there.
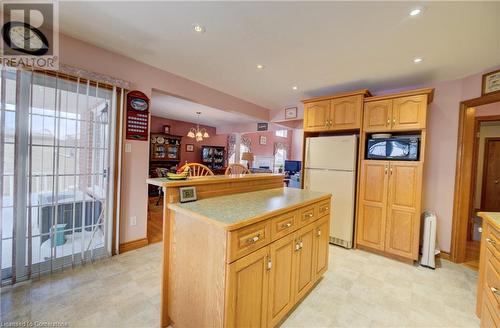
(332, 153)
(341, 184)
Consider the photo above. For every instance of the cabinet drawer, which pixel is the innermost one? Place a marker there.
(248, 239)
(324, 208)
(492, 286)
(308, 214)
(284, 224)
(493, 242)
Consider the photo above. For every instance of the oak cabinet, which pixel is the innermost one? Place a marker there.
(403, 209)
(488, 288)
(248, 290)
(372, 207)
(389, 212)
(321, 242)
(282, 278)
(397, 114)
(334, 113)
(345, 113)
(317, 116)
(377, 115)
(409, 113)
(304, 273)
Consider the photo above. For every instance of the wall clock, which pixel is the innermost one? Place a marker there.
(25, 38)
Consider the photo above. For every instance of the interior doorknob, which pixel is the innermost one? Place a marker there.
(496, 181)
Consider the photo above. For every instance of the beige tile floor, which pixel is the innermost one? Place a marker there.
(359, 290)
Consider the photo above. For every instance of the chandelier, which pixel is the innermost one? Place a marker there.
(198, 133)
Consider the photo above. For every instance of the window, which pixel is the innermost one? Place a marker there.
(279, 158)
(282, 133)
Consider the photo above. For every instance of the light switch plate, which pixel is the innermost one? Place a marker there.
(128, 147)
(133, 221)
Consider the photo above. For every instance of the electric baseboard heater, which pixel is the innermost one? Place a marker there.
(429, 249)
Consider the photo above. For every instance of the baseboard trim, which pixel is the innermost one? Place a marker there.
(134, 244)
(444, 256)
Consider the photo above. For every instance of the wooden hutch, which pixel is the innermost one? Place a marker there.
(164, 152)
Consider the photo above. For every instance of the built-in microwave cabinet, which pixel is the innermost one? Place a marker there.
(397, 114)
(337, 113)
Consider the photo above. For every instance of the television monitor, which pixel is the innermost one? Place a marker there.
(292, 166)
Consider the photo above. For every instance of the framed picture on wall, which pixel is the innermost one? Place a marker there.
(290, 112)
(491, 82)
(189, 148)
(166, 129)
(262, 140)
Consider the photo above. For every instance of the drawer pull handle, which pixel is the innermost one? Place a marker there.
(491, 241)
(286, 225)
(269, 263)
(309, 215)
(495, 290)
(253, 239)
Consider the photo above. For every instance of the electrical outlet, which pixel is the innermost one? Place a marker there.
(128, 147)
(133, 221)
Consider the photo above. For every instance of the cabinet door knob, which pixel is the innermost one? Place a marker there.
(388, 121)
(297, 246)
(301, 244)
(393, 121)
(319, 233)
(253, 239)
(495, 290)
(491, 241)
(386, 170)
(286, 225)
(269, 263)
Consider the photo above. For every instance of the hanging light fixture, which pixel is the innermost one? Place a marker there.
(197, 133)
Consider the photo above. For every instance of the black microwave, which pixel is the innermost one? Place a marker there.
(404, 148)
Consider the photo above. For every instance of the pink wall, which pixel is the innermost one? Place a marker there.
(488, 110)
(271, 138)
(145, 78)
(181, 128)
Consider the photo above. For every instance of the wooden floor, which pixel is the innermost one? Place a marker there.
(472, 254)
(155, 221)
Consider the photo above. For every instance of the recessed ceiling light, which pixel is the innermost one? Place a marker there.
(416, 12)
(417, 60)
(198, 28)
(259, 66)
(295, 87)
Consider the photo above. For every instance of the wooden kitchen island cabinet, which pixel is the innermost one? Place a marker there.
(245, 260)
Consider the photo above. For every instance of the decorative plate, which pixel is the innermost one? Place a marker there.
(160, 140)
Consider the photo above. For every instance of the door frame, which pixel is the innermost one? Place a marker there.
(463, 177)
(485, 165)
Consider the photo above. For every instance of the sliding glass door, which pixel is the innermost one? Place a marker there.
(57, 137)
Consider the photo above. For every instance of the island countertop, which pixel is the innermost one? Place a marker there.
(493, 217)
(193, 181)
(232, 211)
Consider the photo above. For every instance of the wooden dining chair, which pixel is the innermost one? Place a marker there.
(237, 169)
(197, 170)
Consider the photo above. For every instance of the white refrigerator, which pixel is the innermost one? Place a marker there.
(330, 166)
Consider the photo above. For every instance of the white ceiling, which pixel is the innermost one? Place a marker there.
(174, 108)
(322, 47)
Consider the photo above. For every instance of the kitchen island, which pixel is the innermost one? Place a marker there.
(245, 259)
(488, 288)
(206, 187)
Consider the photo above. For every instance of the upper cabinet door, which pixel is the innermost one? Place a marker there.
(372, 204)
(409, 113)
(345, 113)
(378, 115)
(316, 116)
(248, 290)
(403, 217)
